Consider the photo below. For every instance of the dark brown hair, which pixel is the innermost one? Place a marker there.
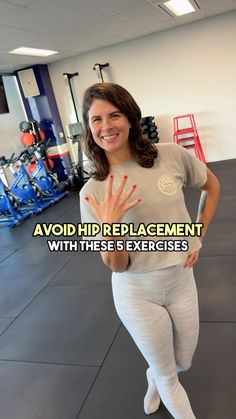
(143, 150)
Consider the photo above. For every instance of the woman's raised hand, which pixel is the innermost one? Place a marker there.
(115, 205)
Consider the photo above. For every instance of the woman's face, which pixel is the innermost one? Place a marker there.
(110, 129)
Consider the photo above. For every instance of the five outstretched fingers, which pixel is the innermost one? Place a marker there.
(119, 202)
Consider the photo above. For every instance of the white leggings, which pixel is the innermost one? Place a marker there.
(160, 311)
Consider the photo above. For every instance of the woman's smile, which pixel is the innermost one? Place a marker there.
(109, 137)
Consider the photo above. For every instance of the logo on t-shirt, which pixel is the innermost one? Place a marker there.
(167, 185)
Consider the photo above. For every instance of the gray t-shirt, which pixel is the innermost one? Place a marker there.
(160, 188)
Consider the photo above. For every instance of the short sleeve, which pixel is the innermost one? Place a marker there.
(195, 171)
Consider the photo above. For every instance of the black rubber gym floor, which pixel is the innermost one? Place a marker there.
(64, 353)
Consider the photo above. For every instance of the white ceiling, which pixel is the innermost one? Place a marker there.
(73, 27)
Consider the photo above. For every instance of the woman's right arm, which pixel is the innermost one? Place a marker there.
(116, 260)
(111, 210)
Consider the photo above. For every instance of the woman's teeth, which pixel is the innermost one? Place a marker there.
(109, 137)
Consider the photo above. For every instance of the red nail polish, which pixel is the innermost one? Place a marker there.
(111, 176)
(87, 198)
(139, 200)
(125, 177)
(134, 186)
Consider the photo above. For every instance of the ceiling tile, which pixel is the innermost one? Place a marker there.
(147, 15)
(21, 2)
(6, 7)
(76, 11)
(221, 8)
(36, 22)
(211, 4)
(119, 7)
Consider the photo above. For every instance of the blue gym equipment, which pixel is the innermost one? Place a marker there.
(42, 176)
(9, 208)
(26, 195)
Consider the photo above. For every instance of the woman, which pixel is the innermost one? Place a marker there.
(135, 181)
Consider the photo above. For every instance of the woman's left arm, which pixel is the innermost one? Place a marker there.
(207, 206)
(208, 201)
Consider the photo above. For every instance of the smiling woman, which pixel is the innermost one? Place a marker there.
(137, 183)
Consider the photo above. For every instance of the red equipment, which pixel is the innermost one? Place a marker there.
(48, 165)
(27, 139)
(186, 135)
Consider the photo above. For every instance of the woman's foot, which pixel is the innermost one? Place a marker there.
(152, 398)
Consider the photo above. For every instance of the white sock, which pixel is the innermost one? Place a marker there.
(152, 398)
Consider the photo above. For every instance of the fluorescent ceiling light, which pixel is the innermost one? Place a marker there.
(36, 52)
(179, 7)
